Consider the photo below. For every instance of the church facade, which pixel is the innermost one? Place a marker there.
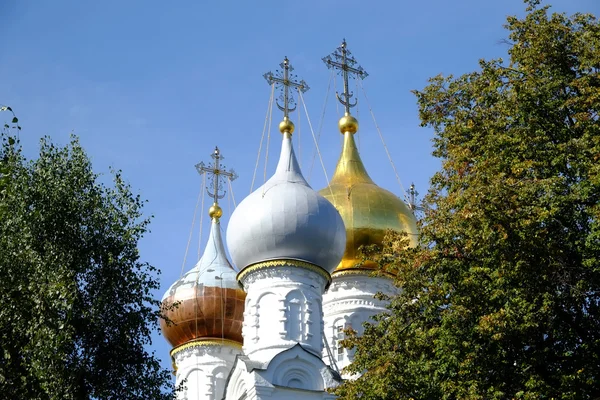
(268, 324)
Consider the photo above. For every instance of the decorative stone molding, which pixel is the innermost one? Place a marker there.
(266, 266)
(202, 347)
(292, 271)
(291, 374)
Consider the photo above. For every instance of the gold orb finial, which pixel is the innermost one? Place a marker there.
(215, 211)
(348, 124)
(286, 126)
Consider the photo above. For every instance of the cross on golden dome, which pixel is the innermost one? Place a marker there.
(216, 173)
(343, 60)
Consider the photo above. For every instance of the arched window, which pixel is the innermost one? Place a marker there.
(339, 327)
(299, 374)
(266, 312)
(339, 336)
(295, 315)
(193, 383)
(219, 377)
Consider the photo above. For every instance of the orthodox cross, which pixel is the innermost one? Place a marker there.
(343, 60)
(284, 79)
(216, 173)
(412, 199)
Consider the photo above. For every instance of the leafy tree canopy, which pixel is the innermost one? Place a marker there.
(76, 302)
(502, 299)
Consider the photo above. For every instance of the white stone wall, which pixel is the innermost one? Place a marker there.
(205, 369)
(283, 308)
(348, 303)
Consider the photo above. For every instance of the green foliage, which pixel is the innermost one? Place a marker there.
(14, 125)
(76, 302)
(502, 299)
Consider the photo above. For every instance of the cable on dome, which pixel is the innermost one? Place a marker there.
(337, 104)
(201, 217)
(268, 136)
(231, 192)
(312, 163)
(193, 223)
(298, 134)
(358, 113)
(337, 110)
(383, 141)
(316, 144)
(262, 138)
(228, 200)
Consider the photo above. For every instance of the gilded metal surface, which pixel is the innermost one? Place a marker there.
(204, 312)
(286, 126)
(359, 271)
(367, 210)
(205, 342)
(215, 211)
(283, 263)
(348, 124)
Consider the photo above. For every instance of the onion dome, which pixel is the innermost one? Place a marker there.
(209, 304)
(286, 219)
(368, 210)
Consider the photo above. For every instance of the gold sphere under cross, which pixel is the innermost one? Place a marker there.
(348, 124)
(286, 126)
(215, 211)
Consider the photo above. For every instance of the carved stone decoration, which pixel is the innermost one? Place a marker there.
(287, 316)
(203, 366)
(348, 303)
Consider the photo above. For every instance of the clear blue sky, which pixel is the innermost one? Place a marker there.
(151, 88)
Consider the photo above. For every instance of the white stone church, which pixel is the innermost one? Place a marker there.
(267, 324)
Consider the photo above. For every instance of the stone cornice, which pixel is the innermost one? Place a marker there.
(269, 265)
(208, 345)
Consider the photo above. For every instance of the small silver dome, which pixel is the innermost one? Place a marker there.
(286, 219)
(212, 270)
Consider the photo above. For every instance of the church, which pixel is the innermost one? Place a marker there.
(267, 324)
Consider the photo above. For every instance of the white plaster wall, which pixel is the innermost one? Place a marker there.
(349, 302)
(283, 308)
(205, 369)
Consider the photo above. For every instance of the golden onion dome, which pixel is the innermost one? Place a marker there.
(368, 210)
(206, 302)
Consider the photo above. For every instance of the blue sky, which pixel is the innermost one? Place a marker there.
(151, 89)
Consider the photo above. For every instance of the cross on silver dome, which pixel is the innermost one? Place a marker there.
(284, 80)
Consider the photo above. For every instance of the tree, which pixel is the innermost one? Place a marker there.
(14, 125)
(76, 302)
(502, 299)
